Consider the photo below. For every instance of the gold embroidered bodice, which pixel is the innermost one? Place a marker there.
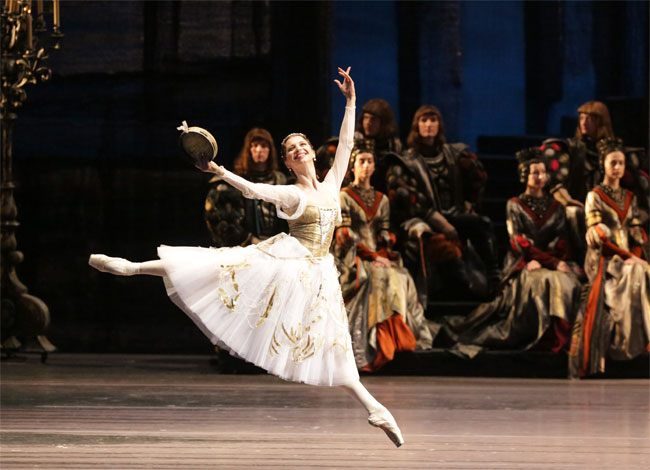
(314, 229)
(623, 223)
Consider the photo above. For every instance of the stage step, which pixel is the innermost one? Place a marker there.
(528, 364)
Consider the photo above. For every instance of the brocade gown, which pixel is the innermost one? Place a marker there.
(615, 321)
(534, 308)
(384, 312)
(278, 303)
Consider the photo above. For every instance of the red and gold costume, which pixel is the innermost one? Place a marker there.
(535, 309)
(382, 303)
(616, 318)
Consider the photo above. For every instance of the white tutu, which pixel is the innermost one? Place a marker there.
(272, 304)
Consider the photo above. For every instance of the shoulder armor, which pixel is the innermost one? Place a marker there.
(458, 147)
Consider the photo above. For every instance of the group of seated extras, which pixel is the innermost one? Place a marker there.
(575, 276)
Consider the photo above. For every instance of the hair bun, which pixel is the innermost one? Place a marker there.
(609, 145)
(524, 159)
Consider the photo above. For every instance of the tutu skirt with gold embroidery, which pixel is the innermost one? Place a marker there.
(272, 304)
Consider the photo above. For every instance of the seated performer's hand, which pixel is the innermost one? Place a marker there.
(381, 262)
(440, 223)
(450, 232)
(593, 237)
(533, 265)
(419, 229)
(636, 260)
(562, 266)
(565, 198)
(575, 202)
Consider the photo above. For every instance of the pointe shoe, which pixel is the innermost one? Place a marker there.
(108, 264)
(383, 420)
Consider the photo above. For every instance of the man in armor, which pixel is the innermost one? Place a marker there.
(435, 190)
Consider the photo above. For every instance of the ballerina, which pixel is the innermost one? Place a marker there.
(278, 303)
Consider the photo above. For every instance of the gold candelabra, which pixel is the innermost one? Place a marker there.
(25, 46)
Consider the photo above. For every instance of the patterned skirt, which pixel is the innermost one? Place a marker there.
(272, 304)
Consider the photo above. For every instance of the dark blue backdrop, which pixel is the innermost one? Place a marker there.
(96, 159)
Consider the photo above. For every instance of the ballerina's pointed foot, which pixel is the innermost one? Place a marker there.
(118, 266)
(383, 420)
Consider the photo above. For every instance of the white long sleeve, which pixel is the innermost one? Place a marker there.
(288, 199)
(343, 150)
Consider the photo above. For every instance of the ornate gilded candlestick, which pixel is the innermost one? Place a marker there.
(23, 315)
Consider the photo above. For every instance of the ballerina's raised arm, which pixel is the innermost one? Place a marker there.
(287, 197)
(346, 136)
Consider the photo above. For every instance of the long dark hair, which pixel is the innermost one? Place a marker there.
(381, 109)
(244, 160)
(414, 139)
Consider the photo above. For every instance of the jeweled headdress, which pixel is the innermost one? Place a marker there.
(609, 145)
(525, 158)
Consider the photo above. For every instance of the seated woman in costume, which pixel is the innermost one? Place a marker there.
(233, 219)
(436, 189)
(616, 319)
(384, 314)
(540, 288)
(575, 169)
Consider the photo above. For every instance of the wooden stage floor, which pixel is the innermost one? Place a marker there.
(175, 412)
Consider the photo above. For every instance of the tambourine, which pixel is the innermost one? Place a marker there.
(197, 143)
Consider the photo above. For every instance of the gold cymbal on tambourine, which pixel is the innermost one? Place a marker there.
(196, 142)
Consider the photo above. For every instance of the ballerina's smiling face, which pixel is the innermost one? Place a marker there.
(298, 151)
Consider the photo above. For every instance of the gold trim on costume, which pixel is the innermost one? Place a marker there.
(556, 300)
(336, 343)
(594, 218)
(293, 335)
(230, 303)
(305, 280)
(274, 345)
(231, 270)
(265, 315)
(299, 354)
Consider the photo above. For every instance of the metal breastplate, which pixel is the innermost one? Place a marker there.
(439, 174)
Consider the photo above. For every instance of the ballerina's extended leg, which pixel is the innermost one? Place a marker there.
(378, 414)
(123, 267)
